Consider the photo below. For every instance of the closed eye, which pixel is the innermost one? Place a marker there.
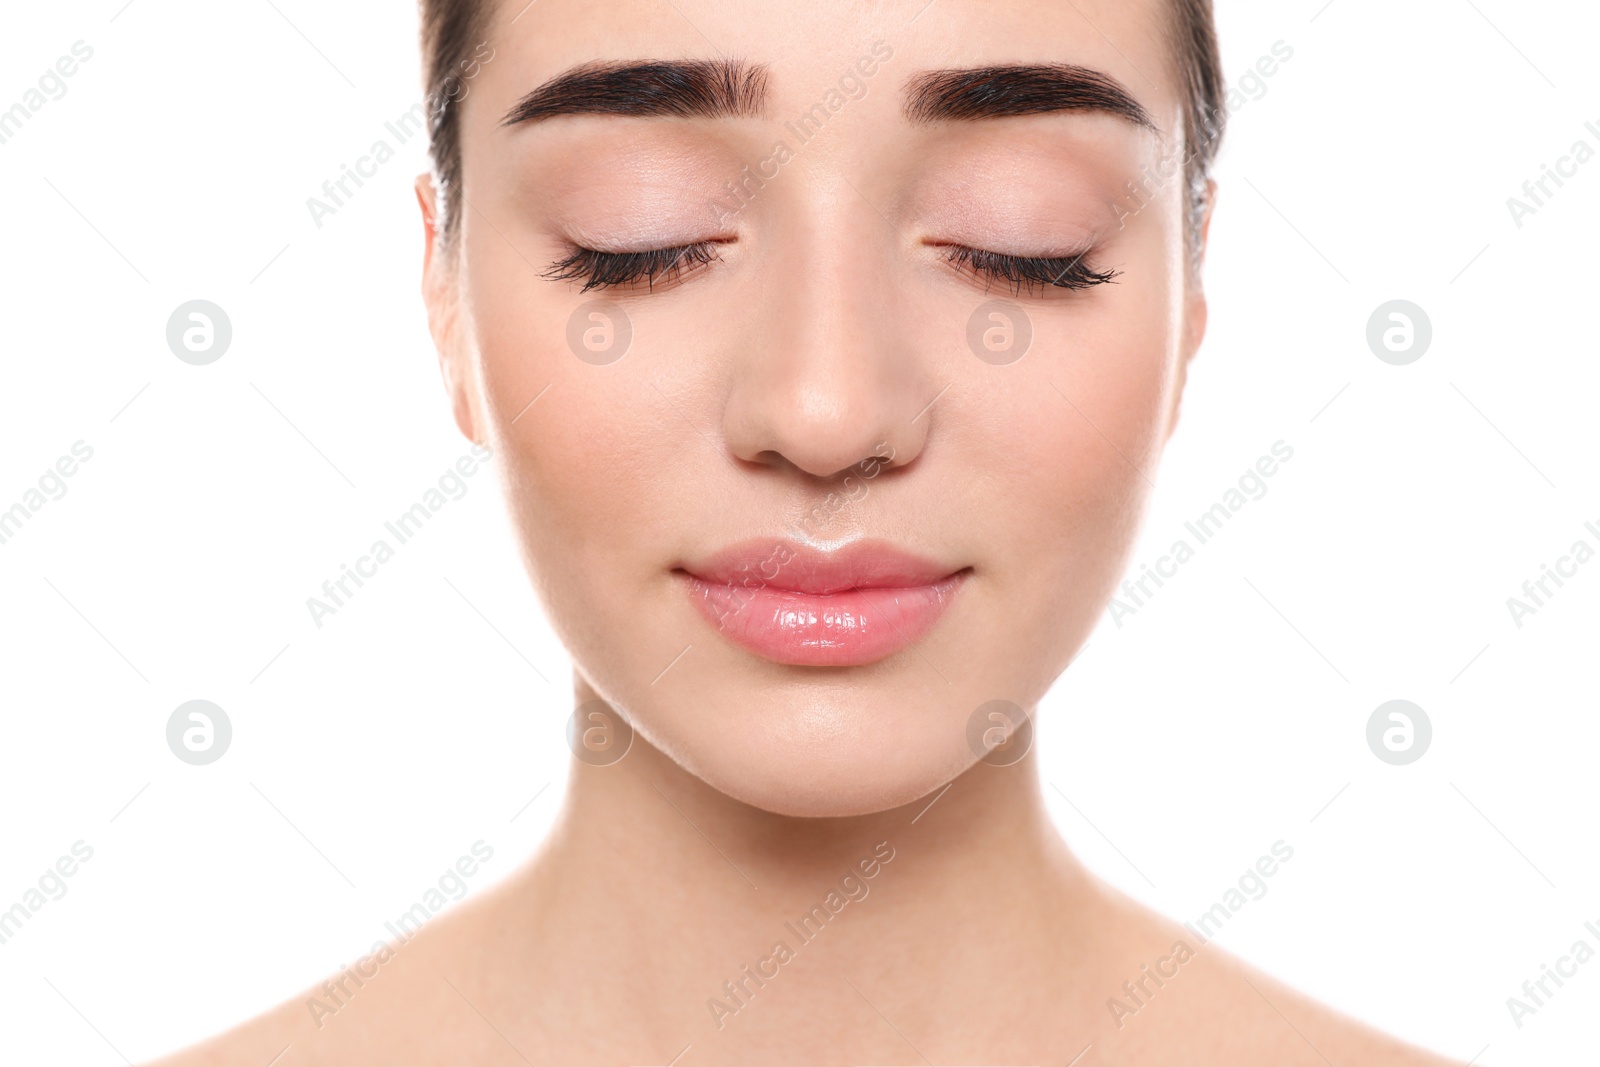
(611, 270)
(1033, 274)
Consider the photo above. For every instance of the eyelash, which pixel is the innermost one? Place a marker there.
(1030, 273)
(608, 270)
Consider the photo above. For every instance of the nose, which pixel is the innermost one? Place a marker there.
(826, 381)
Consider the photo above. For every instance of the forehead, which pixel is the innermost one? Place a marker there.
(807, 45)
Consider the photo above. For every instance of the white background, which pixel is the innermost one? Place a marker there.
(1227, 714)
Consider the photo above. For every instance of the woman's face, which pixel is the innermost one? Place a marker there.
(818, 482)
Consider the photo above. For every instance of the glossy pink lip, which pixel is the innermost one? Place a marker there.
(793, 604)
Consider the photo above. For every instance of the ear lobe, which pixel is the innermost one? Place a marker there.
(440, 296)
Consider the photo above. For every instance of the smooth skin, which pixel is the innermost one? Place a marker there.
(829, 329)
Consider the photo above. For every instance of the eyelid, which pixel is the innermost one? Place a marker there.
(612, 270)
(1070, 272)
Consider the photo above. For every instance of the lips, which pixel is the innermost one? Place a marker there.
(794, 604)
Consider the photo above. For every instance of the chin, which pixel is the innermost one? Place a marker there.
(843, 752)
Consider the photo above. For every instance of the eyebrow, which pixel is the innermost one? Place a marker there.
(1006, 91)
(720, 88)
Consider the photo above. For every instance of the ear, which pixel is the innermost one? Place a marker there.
(441, 294)
(1195, 309)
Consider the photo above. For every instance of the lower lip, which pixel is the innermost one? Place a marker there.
(846, 629)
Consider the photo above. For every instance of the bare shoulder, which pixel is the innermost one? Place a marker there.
(1295, 1028)
(1176, 997)
(398, 1004)
(268, 1038)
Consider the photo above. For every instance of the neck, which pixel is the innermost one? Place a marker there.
(746, 920)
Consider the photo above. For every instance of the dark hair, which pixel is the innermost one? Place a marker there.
(1204, 113)
(453, 30)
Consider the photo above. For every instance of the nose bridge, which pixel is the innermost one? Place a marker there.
(826, 383)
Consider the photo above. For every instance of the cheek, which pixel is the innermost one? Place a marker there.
(1082, 444)
(585, 448)
(1119, 366)
(1114, 388)
(1113, 379)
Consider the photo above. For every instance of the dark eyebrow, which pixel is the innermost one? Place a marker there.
(720, 88)
(1001, 92)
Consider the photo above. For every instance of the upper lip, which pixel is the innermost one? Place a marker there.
(782, 564)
